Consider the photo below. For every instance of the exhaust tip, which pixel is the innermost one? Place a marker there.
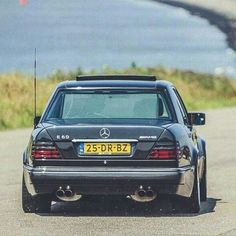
(60, 193)
(141, 193)
(150, 193)
(68, 193)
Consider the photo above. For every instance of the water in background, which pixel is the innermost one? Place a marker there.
(92, 33)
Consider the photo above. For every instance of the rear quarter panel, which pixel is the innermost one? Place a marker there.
(188, 150)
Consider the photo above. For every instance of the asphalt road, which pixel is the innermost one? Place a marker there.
(99, 217)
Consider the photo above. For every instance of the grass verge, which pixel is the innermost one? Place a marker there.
(199, 91)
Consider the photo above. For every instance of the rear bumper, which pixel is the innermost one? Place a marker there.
(103, 180)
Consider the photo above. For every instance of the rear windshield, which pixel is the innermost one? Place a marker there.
(109, 105)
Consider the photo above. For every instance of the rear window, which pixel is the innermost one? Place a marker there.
(109, 104)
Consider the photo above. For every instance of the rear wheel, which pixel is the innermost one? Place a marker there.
(191, 204)
(203, 184)
(37, 204)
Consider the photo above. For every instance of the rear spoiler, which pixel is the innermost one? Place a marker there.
(116, 77)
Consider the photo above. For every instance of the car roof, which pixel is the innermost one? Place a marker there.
(115, 81)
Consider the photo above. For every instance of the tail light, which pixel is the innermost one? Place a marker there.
(45, 150)
(164, 151)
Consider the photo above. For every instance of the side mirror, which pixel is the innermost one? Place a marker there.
(36, 120)
(196, 118)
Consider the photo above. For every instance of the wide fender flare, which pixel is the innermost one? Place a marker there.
(25, 159)
(202, 147)
(203, 143)
(195, 156)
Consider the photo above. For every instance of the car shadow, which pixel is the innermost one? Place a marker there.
(107, 207)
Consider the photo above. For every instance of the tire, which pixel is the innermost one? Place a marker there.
(37, 204)
(203, 184)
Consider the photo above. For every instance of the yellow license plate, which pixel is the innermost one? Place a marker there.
(106, 149)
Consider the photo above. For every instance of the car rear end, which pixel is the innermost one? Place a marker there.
(106, 138)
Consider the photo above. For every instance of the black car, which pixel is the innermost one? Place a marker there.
(121, 135)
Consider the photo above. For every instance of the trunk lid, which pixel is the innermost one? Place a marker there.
(69, 139)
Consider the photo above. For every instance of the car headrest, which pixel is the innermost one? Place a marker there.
(160, 107)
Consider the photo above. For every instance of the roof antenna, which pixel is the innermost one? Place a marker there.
(35, 89)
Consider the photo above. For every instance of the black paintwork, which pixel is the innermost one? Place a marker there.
(118, 174)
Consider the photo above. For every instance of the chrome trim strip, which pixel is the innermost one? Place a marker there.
(104, 140)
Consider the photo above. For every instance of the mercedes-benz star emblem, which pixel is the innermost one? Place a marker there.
(104, 133)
